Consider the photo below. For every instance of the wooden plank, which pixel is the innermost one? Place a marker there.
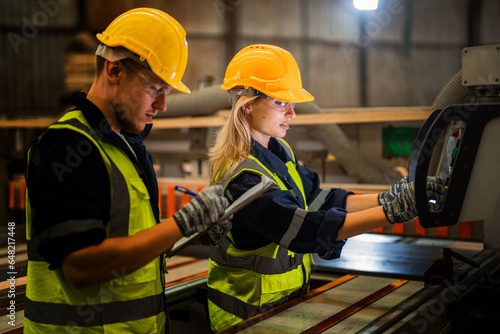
(27, 123)
(183, 263)
(186, 278)
(189, 122)
(339, 316)
(20, 292)
(273, 312)
(361, 117)
(182, 268)
(20, 254)
(19, 257)
(315, 310)
(364, 115)
(18, 322)
(302, 119)
(20, 248)
(360, 319)
(5, 285)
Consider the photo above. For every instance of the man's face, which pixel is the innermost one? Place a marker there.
(139, 98)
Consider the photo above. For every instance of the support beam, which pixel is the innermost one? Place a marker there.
(331, 116)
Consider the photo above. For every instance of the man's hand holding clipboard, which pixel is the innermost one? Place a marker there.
(249, 196)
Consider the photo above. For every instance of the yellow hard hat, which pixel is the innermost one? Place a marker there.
(156, 38)
(269, 69)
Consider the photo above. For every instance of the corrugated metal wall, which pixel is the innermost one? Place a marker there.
(32, 43)
(403, 54)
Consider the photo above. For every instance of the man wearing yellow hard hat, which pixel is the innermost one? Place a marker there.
(95, 239)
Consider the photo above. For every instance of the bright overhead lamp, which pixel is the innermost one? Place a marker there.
(365, 4)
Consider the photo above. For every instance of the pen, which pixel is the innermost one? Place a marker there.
(185, 191)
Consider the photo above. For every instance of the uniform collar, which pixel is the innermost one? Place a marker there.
(274, 158)
(101, 125)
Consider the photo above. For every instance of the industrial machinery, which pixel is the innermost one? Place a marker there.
(459, 144)
(469, 158)
(457, 292)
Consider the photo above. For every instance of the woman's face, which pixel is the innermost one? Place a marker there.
(268, 118)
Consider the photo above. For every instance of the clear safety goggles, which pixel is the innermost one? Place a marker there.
(277, 104)
(149, 84)
(152, 86)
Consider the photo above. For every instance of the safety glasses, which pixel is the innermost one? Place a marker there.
(277, 104)
(149, 84)
(153, 87)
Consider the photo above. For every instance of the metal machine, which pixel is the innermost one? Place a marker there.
(459, 144)
(460, 292)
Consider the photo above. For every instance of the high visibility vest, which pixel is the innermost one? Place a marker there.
(244, 283)
(132, 303)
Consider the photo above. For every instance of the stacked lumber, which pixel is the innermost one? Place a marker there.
(79, 71)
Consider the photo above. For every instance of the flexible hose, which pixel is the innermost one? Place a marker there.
(453, 93)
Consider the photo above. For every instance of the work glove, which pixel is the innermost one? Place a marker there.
(391, 194)
(202, 210)
(403, 207)
(215, 235)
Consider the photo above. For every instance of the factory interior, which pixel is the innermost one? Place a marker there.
(408, 88)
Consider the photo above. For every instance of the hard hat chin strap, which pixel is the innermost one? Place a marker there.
(119, 53)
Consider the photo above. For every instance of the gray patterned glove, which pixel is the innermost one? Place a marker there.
(392, 193)
(403, 208)
(215, 235)
(202, 211)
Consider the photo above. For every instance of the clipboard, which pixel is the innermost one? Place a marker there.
(249, 196)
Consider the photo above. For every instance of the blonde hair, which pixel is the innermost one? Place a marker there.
(232, 143)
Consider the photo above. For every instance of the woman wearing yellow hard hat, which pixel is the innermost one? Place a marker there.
(265, 259)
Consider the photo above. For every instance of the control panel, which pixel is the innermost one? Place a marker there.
(460, 144)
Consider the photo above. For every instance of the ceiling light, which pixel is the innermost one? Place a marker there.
(365, 4)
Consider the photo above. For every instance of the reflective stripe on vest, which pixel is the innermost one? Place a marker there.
(86, 315)
(272, 273)
(133, 302)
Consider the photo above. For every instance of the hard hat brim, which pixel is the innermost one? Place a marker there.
(181, 87)
(293, 96)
